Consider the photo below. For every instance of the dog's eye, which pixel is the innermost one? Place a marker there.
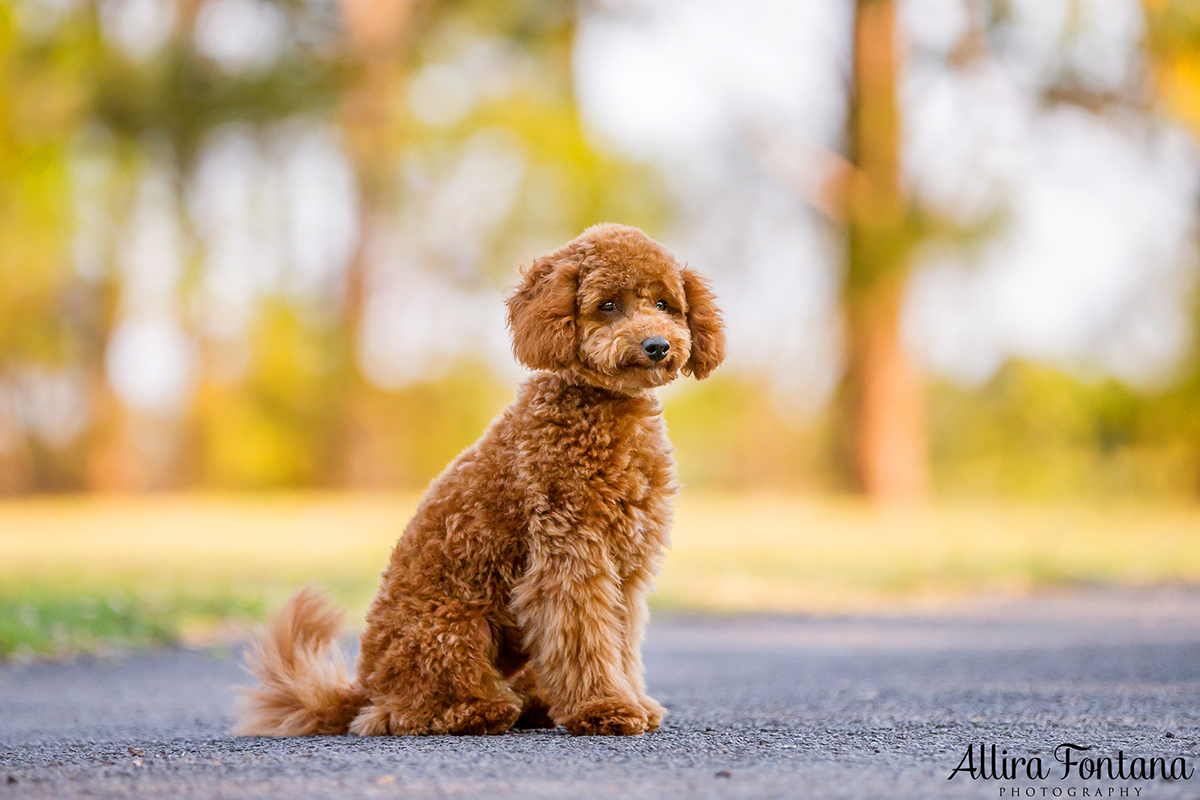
(661, 305)
(608, 305)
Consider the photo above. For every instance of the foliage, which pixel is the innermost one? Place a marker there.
(86, 122)
(1173, 43)
(42, 99)
(1038, 432)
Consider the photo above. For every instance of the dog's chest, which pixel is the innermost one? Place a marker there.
(601, 464)
(631, 487)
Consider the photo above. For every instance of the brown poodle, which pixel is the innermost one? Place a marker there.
(516, 596)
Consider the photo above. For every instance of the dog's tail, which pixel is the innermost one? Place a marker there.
(305, 685)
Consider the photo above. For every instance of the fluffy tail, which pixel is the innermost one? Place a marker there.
(306, 686)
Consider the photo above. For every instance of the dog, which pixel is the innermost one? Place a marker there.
(516, 595)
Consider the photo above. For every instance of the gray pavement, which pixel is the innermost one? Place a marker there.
(759, 707)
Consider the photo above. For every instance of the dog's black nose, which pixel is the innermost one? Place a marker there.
(656, 347)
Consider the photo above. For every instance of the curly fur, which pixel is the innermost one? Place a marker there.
(306, 687)
(516, 595)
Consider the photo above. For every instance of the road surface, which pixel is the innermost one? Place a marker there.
(759, 707)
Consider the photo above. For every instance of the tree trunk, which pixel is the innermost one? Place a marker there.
(882, 393)
(376, 35)
(886, 400)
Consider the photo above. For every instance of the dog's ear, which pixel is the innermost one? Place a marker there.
(706, 327)
(541, 313)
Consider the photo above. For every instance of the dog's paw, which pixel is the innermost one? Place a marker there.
(654, 712)
(478, 718)
(607, 718)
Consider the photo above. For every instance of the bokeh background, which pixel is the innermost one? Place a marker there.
(253, 255)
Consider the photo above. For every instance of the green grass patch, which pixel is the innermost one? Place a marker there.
(93, 574)
(47, 620)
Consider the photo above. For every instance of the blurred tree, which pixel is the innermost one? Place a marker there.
(66, 84)
(390, 45)
(882, 404)
(883, 407)
(42, 105)
(377, 39)
(161, 107)
(99, 101)
(1173, 45)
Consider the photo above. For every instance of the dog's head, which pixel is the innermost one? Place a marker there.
(615, 308)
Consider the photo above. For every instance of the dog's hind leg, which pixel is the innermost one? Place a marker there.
(436, 674)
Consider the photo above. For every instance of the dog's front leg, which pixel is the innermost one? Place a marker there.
(634, 590)
(569, 605)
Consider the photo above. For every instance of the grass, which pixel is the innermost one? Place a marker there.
(89, 574)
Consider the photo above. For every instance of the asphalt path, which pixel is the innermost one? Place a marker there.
(763, 706)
